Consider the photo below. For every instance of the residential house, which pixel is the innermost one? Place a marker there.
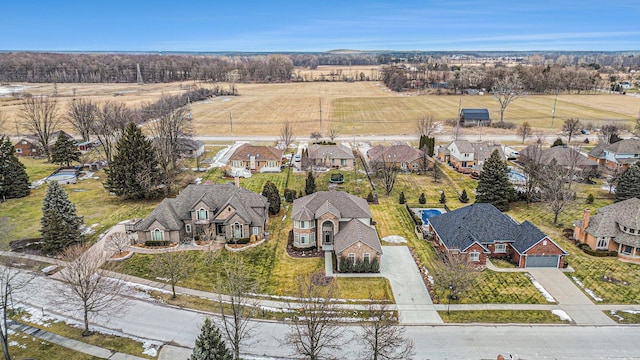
(335, 221)
(256, 158)
(28, 146)
(619, 155)
(224, 212)
(615, 227)
(481, 231)
(190, 148)
(467, 157)
(403, 157)
(475, 117)
(331, 156)
(567, 157)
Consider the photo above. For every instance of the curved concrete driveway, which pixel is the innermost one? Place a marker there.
(412, 298)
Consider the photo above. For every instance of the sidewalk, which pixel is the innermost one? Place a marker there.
(71, 343)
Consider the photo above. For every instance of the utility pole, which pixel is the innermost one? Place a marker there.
(231, 122)
(458, 121)
(553, 112)
(320, 100)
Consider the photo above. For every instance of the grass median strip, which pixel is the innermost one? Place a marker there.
(501, 317)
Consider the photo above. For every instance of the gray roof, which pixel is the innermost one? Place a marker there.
(625, 213)
(172, 212)
(346, 205)
(464, 146)
(482, 150)
(564, 156)
(356, 231)
(317, 151)
(626, 146)
(399, 153)
(484, 224)
(598, 151)
(475, 114)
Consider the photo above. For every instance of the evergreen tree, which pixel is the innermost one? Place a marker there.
(401, 198)
(629, 183)
(60, 224)
(422, 199)
(443, 198)
(464, 198)
(270, 191)
(370, 197)
(209, 344)
(557, 142)
(310, 184)
(133, 173)
(14, 181)
(64, 151)
(494, 186)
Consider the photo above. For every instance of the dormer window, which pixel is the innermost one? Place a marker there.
(202, 214)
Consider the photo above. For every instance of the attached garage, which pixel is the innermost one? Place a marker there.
(544, 261)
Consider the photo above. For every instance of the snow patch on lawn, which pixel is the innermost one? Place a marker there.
(561, 314)
(540, 288)
(631, 311)
(587, 290)
(395, 239)
(615, 315)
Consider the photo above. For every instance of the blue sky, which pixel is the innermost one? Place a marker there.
(275, 25)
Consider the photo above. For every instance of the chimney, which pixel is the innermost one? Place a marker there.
(585, 218)
(237, 181)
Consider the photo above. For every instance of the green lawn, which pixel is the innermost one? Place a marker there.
(24, 346)
(623, 317)
(501, 317)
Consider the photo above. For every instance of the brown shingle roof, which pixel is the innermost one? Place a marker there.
(348, 206)
(260, 152)
(563, 155)
(624, 213)
(400, 153)
(317, 151)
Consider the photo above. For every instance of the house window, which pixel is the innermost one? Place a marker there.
(34, 150)
(256, 230)
(296, 238)
(304, 239)
(466, 155)
(501, 248)
(203, 214)
(627, 250)
(19, 151)
(238, 231)
(366, 257)
(157, 235)
(312, 238)
(352, 257)
(633, 231)
(303, 224)
(602, 243)
(343, 162)
(187, 228)
(474, 256)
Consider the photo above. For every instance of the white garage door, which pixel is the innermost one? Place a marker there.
(542, 261)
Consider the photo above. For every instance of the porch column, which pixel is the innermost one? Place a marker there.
(619, 249)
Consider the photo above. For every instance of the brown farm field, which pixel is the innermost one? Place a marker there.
(362, 108)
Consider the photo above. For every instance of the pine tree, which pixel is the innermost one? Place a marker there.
(64, 151)
(370, 197)
(401, 198)
(422, 199)
(14, 181)
(443, 198)
(310, 184)
(209, 344)
(494, 186)
(629, 183)
(557, 142)
(464, 198)
(270, 191)
(134, 173)
(60, 223)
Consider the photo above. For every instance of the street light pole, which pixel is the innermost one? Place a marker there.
(450, 296)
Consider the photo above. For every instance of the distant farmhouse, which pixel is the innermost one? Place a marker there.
(566, 157)
(256, 158)
(29, 145)
(475, 117)
(467, 157)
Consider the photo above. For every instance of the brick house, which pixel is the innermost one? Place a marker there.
(256, 158)
(331, 156)
(615, 227)
(619, 155)
(335, 221)
(28, 146)
(480, 231)
(403, 157)
(467, 157)
(222, 212)
(564, 156)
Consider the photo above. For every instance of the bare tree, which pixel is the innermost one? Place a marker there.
(314, 330)
(386, 167)
(456, 275)
(606, 132)
(333, 133)
(507, 90)
(571, 127)
(525, 131)
(40, 118)
(12, 282)
(84, 285)
(118, 242)
(286, 135)
(110, 123)
(170, 131)
(531, 160)
(426, 125)
(382, 337)
(237, 308)
(82, 114)
(174, 266)
(315, 135)
(555, 188)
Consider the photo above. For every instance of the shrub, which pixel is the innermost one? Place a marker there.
(503, 125)
(157, 243)
(401, 198)
(443, 198)
(240, 241)
(289, 195)
(557, 142)
(590, 199)
(464, 198)
(370, 197)
(422, 199)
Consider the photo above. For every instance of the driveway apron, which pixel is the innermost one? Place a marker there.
(412, 298)
(570, 299)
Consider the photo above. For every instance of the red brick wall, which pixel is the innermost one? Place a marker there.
(549, 249)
